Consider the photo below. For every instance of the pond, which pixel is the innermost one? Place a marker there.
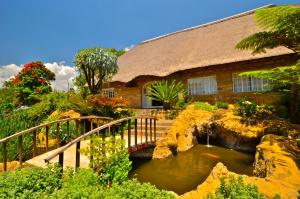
(185, 171)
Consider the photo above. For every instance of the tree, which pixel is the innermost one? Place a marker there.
(166, 92)
(97, 65)
(32, 81)
(281, 27)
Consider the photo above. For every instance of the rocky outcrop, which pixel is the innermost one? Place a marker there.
(181, 136)
(228, 130)
(277, 160)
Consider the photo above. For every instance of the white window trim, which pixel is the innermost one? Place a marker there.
(206, 89)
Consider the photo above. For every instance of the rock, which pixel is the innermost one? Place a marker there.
(161, 152)
(282, 175)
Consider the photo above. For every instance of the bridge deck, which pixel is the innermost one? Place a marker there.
(69, 154)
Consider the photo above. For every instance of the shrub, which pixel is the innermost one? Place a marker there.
(250, 111)
(223, 105)
(204, 106)
(111, 107)
(298, 142)
(29, 183)
(132, 189)
(110, 159)
(32, 81)
(236, 189)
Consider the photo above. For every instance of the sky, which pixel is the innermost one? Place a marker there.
(52, 31)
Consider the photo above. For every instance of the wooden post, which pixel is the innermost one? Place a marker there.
(76, 128)
(150, 129)
(129, 133)
(154, 130)
(4, 156)
(61, 160)
(20, 148)
(135, 131)
(47, 138)
(146, 130)
(68, 131)
(77, 155)
(58, 135)
(34, 144)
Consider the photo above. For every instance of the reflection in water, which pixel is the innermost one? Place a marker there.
(186, 170)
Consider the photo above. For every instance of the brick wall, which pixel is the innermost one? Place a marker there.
(132, 91)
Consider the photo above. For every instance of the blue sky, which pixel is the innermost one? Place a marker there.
(53, 30)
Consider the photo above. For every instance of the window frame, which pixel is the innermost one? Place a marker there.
(109, 92)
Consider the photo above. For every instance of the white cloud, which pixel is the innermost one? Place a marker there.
(8, 71)
(63, 74)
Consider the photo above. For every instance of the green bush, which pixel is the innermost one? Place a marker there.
(298, 142)
(236, 189)
(251, 111)
(81, 183)
(204, 106)
(30, 183)
(110, 159)
(223, 105)
(132, 189)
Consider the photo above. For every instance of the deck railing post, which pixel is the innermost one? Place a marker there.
(4, 156)
(154, 130)
(150, 129)
(58, 135)
(146, 130)
(77, 155)
(34, 144)
(47, 138)
(68, 131)
(61, 160)
(129, 133)
(20, 148)
(135, 131)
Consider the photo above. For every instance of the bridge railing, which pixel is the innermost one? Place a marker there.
(143, 127)
(82, 122)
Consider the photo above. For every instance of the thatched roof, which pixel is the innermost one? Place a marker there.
(200, 46)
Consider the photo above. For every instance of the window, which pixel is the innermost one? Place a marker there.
(108, 92)
(249, 84)
(202, 86)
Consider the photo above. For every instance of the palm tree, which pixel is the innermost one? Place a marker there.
(281, 27)
(166, 92)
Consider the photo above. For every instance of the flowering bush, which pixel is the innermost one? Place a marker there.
(112, 107)
(32, 81)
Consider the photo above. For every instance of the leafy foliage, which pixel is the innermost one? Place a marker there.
(251, 112)
(29, 183)
(110, 158)
(32, 81)
(81, 183)
(282, 28)
(223, 105)
(204, 106)
(166, 92)
(236, 189)
(96, 65)
(116, 107)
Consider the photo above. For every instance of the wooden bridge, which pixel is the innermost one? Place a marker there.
(138, 133)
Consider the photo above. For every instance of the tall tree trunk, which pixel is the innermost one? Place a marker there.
(294, 105)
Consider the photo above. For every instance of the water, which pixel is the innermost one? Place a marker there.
(185, 171)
